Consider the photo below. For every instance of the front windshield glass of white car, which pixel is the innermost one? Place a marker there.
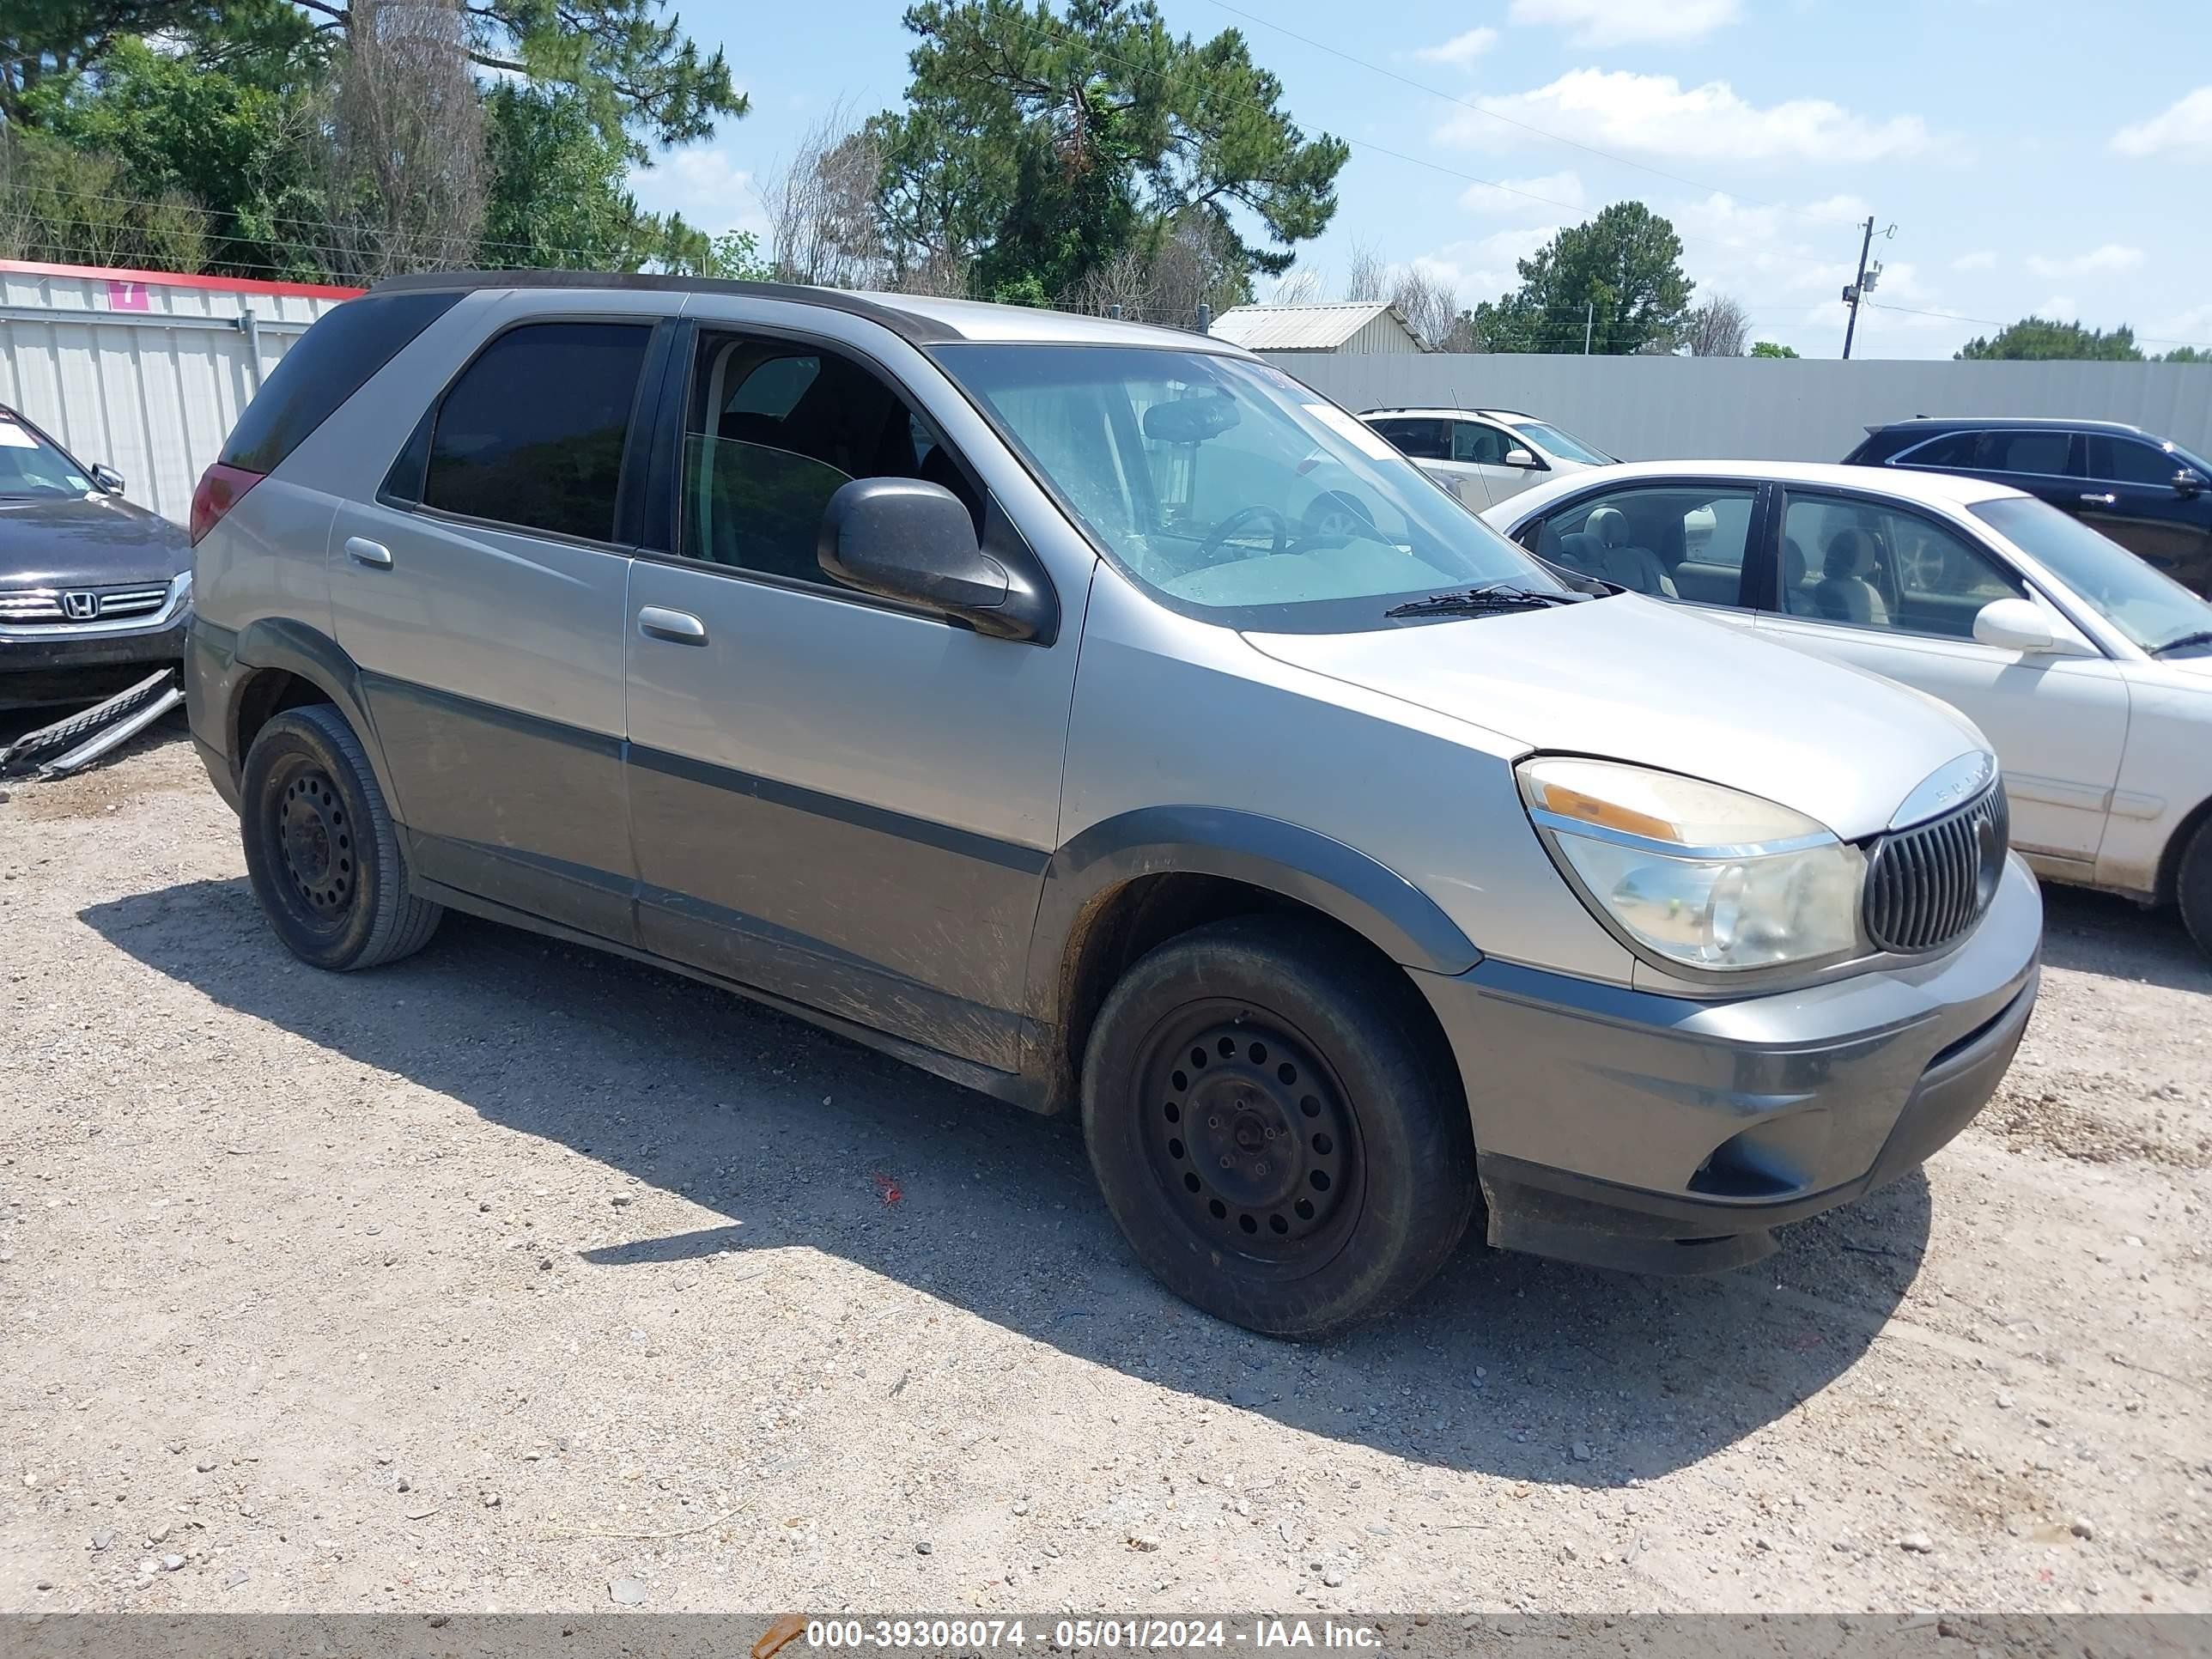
(2153, 609)
(1232, 492)
(1560, 443)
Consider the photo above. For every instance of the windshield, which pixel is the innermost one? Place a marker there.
(1558, 443)
(31, 466)
(1229, 491)
(2152, 610)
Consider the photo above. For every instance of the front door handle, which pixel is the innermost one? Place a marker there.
(2089, 498)
(362, 550)
(677, 627)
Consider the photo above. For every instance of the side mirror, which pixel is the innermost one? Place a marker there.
(2015, 625)
(108, 478)
(905, 539)
(2188, 483)
(1521, 456)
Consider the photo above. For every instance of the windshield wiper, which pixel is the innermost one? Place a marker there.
(1490, 596)
(2204, 636)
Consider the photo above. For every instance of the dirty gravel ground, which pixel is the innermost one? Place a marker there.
(492, 1278)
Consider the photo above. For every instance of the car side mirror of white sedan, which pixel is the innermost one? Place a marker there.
(2017, 625)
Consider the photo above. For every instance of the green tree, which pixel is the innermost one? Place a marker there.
(1043, 146)
(1618, 277)
(2039, 339)
(2186, 355)
(641, 79)
(558, 196)
(1768, 348)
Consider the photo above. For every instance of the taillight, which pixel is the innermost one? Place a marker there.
(220, 488)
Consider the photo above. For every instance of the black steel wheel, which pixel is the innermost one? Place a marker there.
(321, 849)
(1275, 1127)
(2193, 886)
(1253, 1141)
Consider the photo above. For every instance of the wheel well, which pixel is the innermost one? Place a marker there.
(264, 696)
(2177, 848)
(1120, 926)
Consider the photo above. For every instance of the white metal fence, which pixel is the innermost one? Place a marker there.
(1760, 408)
(146, 373)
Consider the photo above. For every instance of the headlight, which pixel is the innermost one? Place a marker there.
(1694, 873)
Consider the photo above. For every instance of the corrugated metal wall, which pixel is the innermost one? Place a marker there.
(146, 374)
(1809, 409)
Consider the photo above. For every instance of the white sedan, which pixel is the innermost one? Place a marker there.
(2090, 672)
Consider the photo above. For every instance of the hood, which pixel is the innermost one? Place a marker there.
(1633, 679)
(78, 541)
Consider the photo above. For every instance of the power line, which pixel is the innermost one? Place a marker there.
(1525, 126)
(1996, 322)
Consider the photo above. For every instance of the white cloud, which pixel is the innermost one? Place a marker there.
(2184, 128)
(1461, 48)
(1621, 22)
(1657, 115)
(2059, 307)
(2107, 260)
(1980, 259)
(1484, 267)
(1556, 189)
(706, 186)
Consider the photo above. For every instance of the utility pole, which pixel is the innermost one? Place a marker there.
(1863, 284)
(1589, 315)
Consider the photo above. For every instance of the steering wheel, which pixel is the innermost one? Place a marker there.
(1210, 552)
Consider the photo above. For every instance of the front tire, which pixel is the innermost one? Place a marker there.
(1281, 1142)
(321, 850)
(2193, 887)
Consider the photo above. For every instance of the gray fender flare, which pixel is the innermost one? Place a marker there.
(297, 649)
(1339, 880)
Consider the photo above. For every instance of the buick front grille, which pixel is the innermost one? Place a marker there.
(1929, 886)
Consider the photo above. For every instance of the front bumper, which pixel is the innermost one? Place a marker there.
(65, 662)
(1661, 1135)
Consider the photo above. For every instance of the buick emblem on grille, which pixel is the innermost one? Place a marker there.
(80, 606)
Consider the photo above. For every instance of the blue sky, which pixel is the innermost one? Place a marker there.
(2034, 155)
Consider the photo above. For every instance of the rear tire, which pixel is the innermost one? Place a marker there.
(321, 850)
(1281, 1142)
(2193, 887)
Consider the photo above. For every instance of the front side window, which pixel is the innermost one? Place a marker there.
(2130, 460)
(532, 433)
(1855, 562)
(1418, 438)
(2150, 608)
(772, 430)
(1484, 446)
(30, 467)
(1230, 491)
(1674, 541)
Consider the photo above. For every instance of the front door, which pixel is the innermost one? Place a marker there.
(834, 799)
(1482, 448)
(482, 592)
(1887, 590)
(2130, 496)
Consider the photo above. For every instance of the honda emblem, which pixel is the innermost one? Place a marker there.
(80, 606)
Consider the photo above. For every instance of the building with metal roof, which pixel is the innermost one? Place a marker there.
(1360, 328)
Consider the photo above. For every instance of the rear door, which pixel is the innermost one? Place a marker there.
(834, 798)
(482, 591)
(1890, 589)
(2130, 496)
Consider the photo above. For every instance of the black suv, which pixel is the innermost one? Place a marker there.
(2152, 497)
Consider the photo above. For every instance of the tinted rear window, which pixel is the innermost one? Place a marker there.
(532, 433)
(327, 365)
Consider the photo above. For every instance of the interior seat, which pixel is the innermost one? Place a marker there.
(1843, 593)
(1624, 563)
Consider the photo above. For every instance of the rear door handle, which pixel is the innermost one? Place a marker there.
(362, 550)
(2091, 499)
(677, 627)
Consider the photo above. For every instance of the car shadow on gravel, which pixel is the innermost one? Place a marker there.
(1528, 1370)
(2103, 934)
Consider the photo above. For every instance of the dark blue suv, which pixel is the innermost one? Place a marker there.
(2152, 497)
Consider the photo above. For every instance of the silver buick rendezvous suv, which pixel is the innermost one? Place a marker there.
(1094, 715)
